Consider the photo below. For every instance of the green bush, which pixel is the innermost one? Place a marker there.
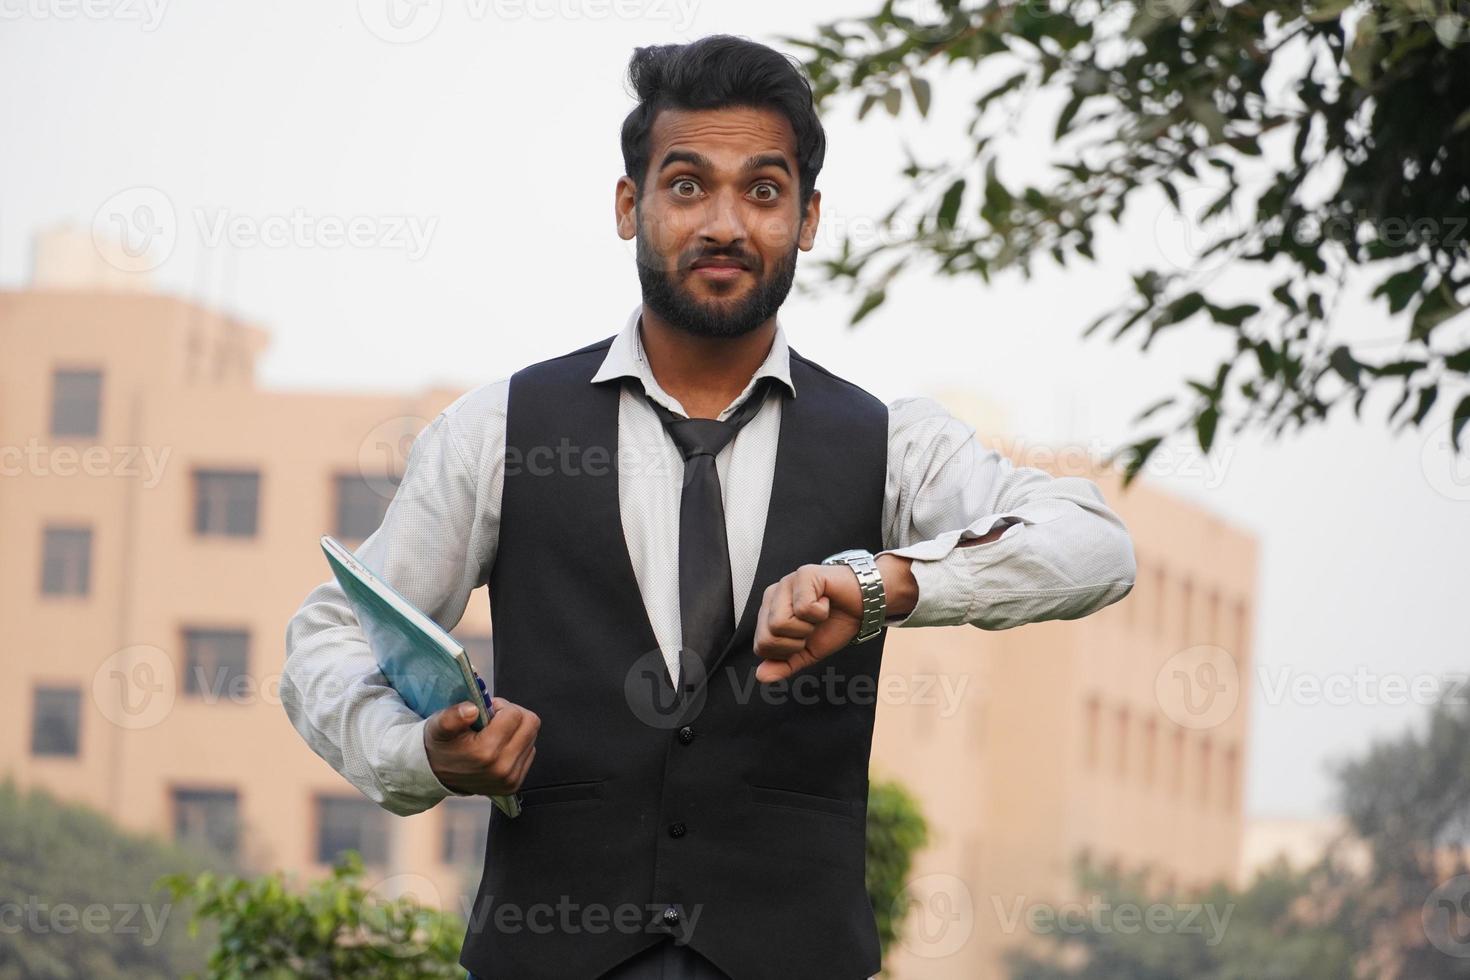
(77, 896)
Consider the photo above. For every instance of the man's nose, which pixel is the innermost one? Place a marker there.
(724, 220)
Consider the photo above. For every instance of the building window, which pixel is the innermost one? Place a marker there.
(1122, 760)
(214, 661)
(1093, 730)
(361, 504)
(466, 821)
(1206, 757)
(226, 502)
(76, 403)
(1160, 595)
(1187, 614)
(1150, 750)
(56, 721)
(1241, 637)
(208, 818)
(1232, 776)
(351, 823)
(66, 561)
(1178, 763)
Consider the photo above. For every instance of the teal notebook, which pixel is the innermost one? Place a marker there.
(425, 665)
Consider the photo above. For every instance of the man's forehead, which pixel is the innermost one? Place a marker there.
(739, 129)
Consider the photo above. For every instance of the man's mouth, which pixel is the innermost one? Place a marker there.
(719, 268)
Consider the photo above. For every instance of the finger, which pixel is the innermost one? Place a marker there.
(778, 670)
(452, 722)
(809, 601)
(779, 647)
(783, 621)
(523, 737)
(522, 766)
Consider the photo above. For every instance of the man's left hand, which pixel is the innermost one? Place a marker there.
(815, 611)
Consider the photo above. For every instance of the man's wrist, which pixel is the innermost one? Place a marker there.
(899, 584)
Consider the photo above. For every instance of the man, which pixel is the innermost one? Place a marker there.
(651, 513)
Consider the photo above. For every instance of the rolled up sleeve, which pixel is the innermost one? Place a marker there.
(1063, 554)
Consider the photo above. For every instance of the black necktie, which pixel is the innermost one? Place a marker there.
(706, 596)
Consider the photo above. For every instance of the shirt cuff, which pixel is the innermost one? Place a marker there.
(945, 594)
(406, 772)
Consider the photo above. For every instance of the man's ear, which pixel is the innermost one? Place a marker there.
(625, 200)
(809, 222)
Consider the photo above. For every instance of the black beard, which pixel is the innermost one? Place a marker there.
(664, 295)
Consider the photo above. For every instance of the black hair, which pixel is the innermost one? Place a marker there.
(717, 72)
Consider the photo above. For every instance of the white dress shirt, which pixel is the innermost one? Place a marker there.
(1064, 555)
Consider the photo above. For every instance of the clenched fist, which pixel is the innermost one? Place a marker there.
(815, 611)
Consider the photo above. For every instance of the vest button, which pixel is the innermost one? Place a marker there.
(671, 916)
(686, 735)
(677, 830)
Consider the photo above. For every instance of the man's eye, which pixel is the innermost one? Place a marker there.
(775, 191)
(685, 182)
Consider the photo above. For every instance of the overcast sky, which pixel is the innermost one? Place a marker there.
(478, 142)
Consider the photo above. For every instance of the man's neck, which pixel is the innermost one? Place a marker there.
(703, 373)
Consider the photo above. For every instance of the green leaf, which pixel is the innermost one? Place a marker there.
(949, 207)
(1204, 427)
(1461, 416)
(870, 302)
(922, 92)
(892, 100)
(1427, 397)
(1069, 112)
(1401, 287)
(1233, 316)
(1180, 309)
(1345, 364)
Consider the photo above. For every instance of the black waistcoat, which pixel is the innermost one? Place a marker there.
(732, 815)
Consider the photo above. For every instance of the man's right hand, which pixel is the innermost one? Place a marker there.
(490, 762)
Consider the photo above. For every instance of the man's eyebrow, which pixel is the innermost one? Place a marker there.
(700, 161)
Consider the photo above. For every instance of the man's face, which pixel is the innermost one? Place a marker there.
(719, 221)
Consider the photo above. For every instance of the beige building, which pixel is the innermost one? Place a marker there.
(160, 514)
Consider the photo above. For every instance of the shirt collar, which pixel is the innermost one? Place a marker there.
(624, 359)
